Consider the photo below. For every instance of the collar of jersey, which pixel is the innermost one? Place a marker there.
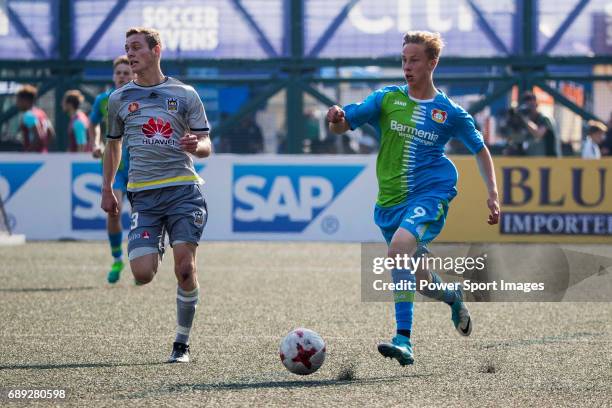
(421, 100)
(166, 78)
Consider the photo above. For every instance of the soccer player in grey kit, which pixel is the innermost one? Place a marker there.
(163, 122)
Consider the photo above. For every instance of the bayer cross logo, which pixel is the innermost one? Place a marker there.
(330, 224)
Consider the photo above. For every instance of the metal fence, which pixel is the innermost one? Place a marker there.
(282, 62)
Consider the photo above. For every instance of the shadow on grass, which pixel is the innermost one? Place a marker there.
(564, 338)
(73, 365)
(48, 289)
(246, 385)
(289, 384)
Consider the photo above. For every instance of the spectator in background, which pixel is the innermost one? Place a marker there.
(36, 127)
(79, 122)
(606, 145)
(311, 132)
(596, 132)
(543, 138)
(528, 132)
(244, 138)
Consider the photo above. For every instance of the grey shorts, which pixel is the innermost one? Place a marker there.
(179, 210)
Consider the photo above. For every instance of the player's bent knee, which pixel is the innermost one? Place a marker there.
(144, 267)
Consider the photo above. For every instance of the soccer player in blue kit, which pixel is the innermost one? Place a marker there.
(122, 74)
(416, 180)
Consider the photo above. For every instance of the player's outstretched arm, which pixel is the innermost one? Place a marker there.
(197, 143)
(112, 157)
(337, 121)
(487, 171)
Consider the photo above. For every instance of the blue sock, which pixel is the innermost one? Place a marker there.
(116, 240)
(443, 295)
(404, 306)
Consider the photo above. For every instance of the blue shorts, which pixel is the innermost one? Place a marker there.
(121, 180)
(423, 216)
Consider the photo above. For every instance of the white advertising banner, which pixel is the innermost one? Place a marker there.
(322, 198)
(319, 198)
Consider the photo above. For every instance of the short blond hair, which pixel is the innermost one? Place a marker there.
(151, 35)
(432, 41)
(122, 59)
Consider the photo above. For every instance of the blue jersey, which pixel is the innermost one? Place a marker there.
(412, 134)
(99, 114)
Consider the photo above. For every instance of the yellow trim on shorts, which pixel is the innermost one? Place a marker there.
(163, 181)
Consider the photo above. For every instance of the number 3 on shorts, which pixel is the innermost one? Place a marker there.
(134, 220)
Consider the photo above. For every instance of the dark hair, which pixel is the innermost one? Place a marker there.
(74, 97)
(594, 126)
(528, 96)
(28, 93)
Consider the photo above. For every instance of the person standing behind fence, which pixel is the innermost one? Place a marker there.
(543, 138)
(606, 145)
(79, 122)
(35, 126)
(596, 133)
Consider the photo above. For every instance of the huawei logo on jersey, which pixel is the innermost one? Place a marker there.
(158, 132)
(157, 127)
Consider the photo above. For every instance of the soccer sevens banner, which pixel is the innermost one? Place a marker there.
(320, 198)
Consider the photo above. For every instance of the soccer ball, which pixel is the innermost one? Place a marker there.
(302, 351)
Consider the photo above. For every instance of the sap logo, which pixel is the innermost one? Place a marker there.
(86, 213)
(13, 176)
(400, 103)
(86, 187)
(278, 198)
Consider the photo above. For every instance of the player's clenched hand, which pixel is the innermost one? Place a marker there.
(189, 143)
(493, 204)
(97, 152)
(335, 114)
(109, 202)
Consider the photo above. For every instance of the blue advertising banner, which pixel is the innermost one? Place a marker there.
(332, 28)
(374, 28)
(189, 28)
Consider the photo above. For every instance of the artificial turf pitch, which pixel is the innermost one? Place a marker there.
(64, 327)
